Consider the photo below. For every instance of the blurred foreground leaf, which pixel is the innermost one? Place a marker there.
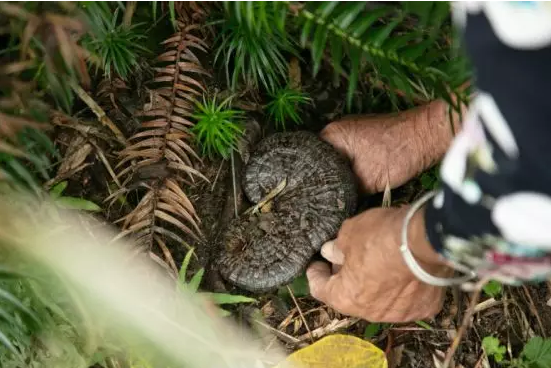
(338, 351)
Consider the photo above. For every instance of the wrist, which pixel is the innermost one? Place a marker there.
(437, 125)
(419, 244)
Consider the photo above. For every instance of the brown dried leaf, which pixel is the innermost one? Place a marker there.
(157, 123)
(179, 151)
(186, 79)
(183, 112)
(148, 133)
(168, 234)
(146, 153)
(192, 67)
(151, 143)
(12, 124)
(75, 156)
(174, 38)
(154, 112)
(5, 147)
(181, 120)
(174, 187)
(184, 88)
(16, 67)
(178, 209)
(166, 78)
(187, 169)
(174, 221)
(167, 254)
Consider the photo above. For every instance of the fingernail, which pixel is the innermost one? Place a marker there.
(332, 253)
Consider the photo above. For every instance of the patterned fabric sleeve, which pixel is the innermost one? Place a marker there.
(493, 211)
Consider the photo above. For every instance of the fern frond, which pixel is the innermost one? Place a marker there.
(380, 37)
(163, 212)
(165, 141)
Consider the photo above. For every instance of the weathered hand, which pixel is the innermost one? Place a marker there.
(374, 282)
(393, 147)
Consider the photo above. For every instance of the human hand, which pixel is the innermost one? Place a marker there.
(373, 281)
(393, 148)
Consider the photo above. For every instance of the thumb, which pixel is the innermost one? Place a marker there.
(327, 288)
(332, 253)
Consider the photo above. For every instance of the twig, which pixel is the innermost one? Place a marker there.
(129, 13)
(534, 310)
(273, 193)
(285, 337)
(332, 327)
(300, 313)
(108, 167)
(102, 117)
(486, 305)
(287, 319)
(217, 175)
(466, 321)
(420, 329)
(234, 185)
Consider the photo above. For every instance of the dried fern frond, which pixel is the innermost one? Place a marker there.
(164, 143)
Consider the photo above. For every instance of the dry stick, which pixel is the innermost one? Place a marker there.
(217, 175)
(332, 327)
(102, 117)
(300, 313)
(108, 167)
(534, 310)
(273, 193)
(129, 13)
(466, 321)
(282, 335)
(234, 185)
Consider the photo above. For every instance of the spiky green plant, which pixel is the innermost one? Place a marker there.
(404, 48)
(218, 127)
(252, 49)
(118, 46)
(285, 106)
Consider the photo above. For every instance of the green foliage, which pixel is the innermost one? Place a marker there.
(536, 353)
(26, 172)
(299, 287)
(285, 106)
(217, 128)
(493, 288)
(493, 348)
(193, 286)
(38, 324)
(118, 47)
(372, 329)
(68, 202)
(424, 325)
(379, 41)
(252, 42)
(429, 179)
(15, 316)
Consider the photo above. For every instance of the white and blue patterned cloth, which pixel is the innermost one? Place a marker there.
(493, 211)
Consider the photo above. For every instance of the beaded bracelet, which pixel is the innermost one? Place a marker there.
(413, 265)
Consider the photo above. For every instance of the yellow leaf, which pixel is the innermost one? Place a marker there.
(337, 351)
